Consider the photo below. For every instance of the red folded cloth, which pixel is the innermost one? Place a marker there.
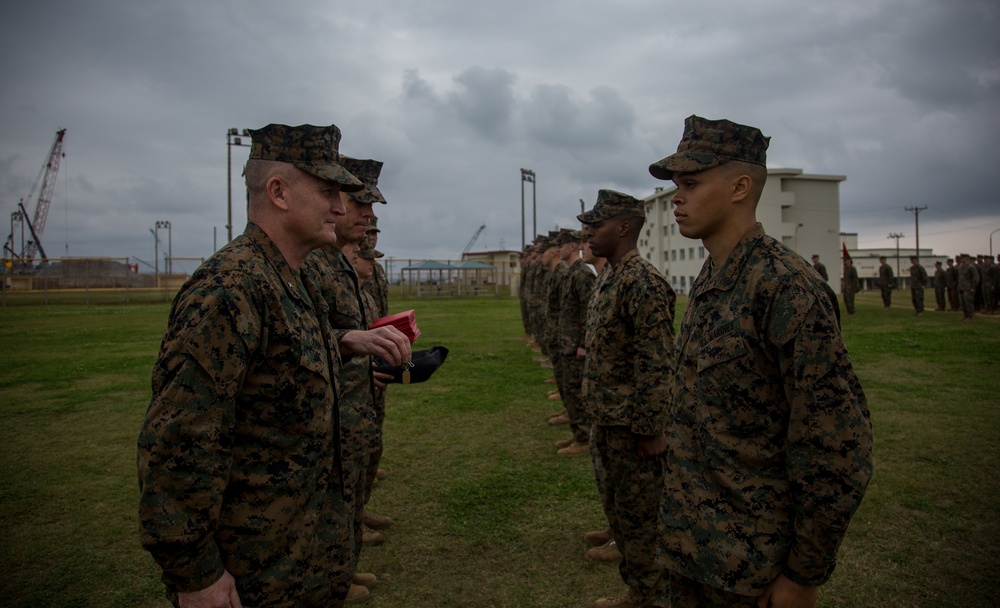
(405, 322)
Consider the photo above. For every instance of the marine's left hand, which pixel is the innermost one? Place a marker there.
(381, 379)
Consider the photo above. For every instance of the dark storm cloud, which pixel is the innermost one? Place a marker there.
(554, 118)
(898, 95)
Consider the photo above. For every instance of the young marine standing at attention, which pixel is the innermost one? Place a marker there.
(770, 438)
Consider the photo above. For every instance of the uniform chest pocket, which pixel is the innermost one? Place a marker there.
(723, 367)
(731, 391)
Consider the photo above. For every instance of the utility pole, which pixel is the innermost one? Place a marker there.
(897, 236)
(916, 219)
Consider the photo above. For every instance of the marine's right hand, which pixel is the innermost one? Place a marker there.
(220, 594)
(386, 342)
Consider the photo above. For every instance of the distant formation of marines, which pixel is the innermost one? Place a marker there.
(965, 283)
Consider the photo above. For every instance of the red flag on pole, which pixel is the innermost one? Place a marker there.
(847, 256)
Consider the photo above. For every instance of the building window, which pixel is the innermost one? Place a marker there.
(673, 228)
(701, 253)
(673, 255)
(690, 253)
(682, 255)
(682, 283)
(666, 256)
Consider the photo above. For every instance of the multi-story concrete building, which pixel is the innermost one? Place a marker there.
(800, 210)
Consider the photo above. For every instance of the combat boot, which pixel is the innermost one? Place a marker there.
(357, 594)
(607, 553)
(575, 449)
(365, 579)
(377, 522)
(560, 419)
(371, 537)
(598, 538)
(380, 474)
(562, 443)
(555, 396)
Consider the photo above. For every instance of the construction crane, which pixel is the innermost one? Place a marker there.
(472, 241)
(47, 175)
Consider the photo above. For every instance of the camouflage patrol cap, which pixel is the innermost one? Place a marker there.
(312, 149)
(710, 143)
(367, 171)
(564, 236)
(611, 203)
(367, 251)
(372, 225)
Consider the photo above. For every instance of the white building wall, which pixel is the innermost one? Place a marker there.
(802, 211)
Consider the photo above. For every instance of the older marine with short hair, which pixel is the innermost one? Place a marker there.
(240, 471)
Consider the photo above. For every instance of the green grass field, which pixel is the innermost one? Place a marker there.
(487, 514)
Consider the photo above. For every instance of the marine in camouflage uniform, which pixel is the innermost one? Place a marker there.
(360, 430)
(378, 284)
(918, 282)
(770, 438)
(238, 457)
(574, 302)
(940, 286)
(886, 282)
(558, 274)
(968, 280)
(522, 292)
(851, 285)
(951, 280)
(820, 268)
(629, 355)
(990, 282)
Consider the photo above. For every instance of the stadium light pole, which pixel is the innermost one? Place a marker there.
(233, 138)
(991, 240)
(168, 263)
(156, 254)
(527, 175)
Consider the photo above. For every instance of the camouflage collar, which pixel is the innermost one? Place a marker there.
(290, 278)
(723, 279)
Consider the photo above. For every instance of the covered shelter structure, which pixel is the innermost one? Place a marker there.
(433, 278)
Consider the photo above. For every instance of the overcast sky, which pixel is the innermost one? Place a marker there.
(900, 96)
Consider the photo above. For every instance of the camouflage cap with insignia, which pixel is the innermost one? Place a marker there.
(367, 170)
(710, 143)
(315, 150)
(611, 203)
